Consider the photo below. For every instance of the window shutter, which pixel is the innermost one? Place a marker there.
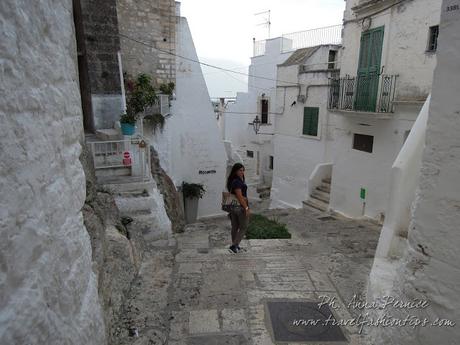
(364, 52)
(369, 69)
(310, 121)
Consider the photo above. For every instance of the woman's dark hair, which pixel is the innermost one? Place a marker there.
(232, 176)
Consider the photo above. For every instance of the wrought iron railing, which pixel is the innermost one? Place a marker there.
(133, 153)
(369, 93)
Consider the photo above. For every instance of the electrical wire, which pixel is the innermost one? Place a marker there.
(203, 63)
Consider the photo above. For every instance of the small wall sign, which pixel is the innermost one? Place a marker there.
(452, 8)
(206, 172)
(362, 193)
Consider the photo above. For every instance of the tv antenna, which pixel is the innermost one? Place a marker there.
(267, 21)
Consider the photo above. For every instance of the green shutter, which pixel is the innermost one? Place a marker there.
(310, 121)
(370, 54)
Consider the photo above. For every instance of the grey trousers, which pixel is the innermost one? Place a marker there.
(239, 225)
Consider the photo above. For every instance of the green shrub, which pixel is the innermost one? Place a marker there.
(193, 190)
(261, 227)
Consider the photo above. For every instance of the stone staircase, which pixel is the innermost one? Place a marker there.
(264, 192)
(135, 192)
(141, 201)
(320, 197)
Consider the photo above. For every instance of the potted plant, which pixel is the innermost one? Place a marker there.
(140, 96)
(127, 123)
(192, 192)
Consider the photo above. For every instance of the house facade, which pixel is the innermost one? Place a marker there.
(303, 130)
(249, 122)
(387, 60)
(256, 150)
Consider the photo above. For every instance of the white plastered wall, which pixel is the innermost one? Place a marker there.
(296, 155)
(190, 147)
(48, 290)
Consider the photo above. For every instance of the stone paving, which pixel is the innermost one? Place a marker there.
(192, 291)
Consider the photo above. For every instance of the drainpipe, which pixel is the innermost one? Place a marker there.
(284, 97)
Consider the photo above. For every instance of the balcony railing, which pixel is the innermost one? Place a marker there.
(311, 38)
(259, 47)
(303, 39)
(370, 93)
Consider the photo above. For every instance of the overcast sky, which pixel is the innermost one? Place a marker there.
(223, 31)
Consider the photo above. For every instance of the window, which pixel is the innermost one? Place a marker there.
(433, 38)
(310, 121)
(250, 154)
(363, 142)
(332, 59)
(264, 110)
(270, 166)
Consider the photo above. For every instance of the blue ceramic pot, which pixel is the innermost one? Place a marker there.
(127, 128)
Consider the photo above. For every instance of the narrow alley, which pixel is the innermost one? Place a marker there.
(192, 291)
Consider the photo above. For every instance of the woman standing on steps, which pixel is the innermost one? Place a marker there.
(239, 215)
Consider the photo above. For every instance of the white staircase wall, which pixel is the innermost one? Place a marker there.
(190, 147)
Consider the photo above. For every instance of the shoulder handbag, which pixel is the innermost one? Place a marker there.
(229, 202)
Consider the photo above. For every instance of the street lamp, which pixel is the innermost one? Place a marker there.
(256, 124)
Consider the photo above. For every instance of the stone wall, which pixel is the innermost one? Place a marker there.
(102, 45)
(117, 250)
(48, 291)
(172, 200)
(99, 47)
(152, 22)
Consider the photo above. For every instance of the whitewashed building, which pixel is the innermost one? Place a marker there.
(303, 129)
(265, 101)
(190, 146)
(387, 60)
(255, 150)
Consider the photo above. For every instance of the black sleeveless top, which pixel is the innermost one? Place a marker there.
(237, 183)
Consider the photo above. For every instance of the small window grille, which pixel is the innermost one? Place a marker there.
(250, 154)
(332, 59)
(264, 111)
(363, 142)
(433, 38)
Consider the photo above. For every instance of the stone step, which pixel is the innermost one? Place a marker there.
(261, 189)
(128, 205)
(316, 204)
(324, 187)
(320, 195)
(265, 195)
(137, 214)
(134, 194)
(120, 184)
(108, 172)
(326, 180)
